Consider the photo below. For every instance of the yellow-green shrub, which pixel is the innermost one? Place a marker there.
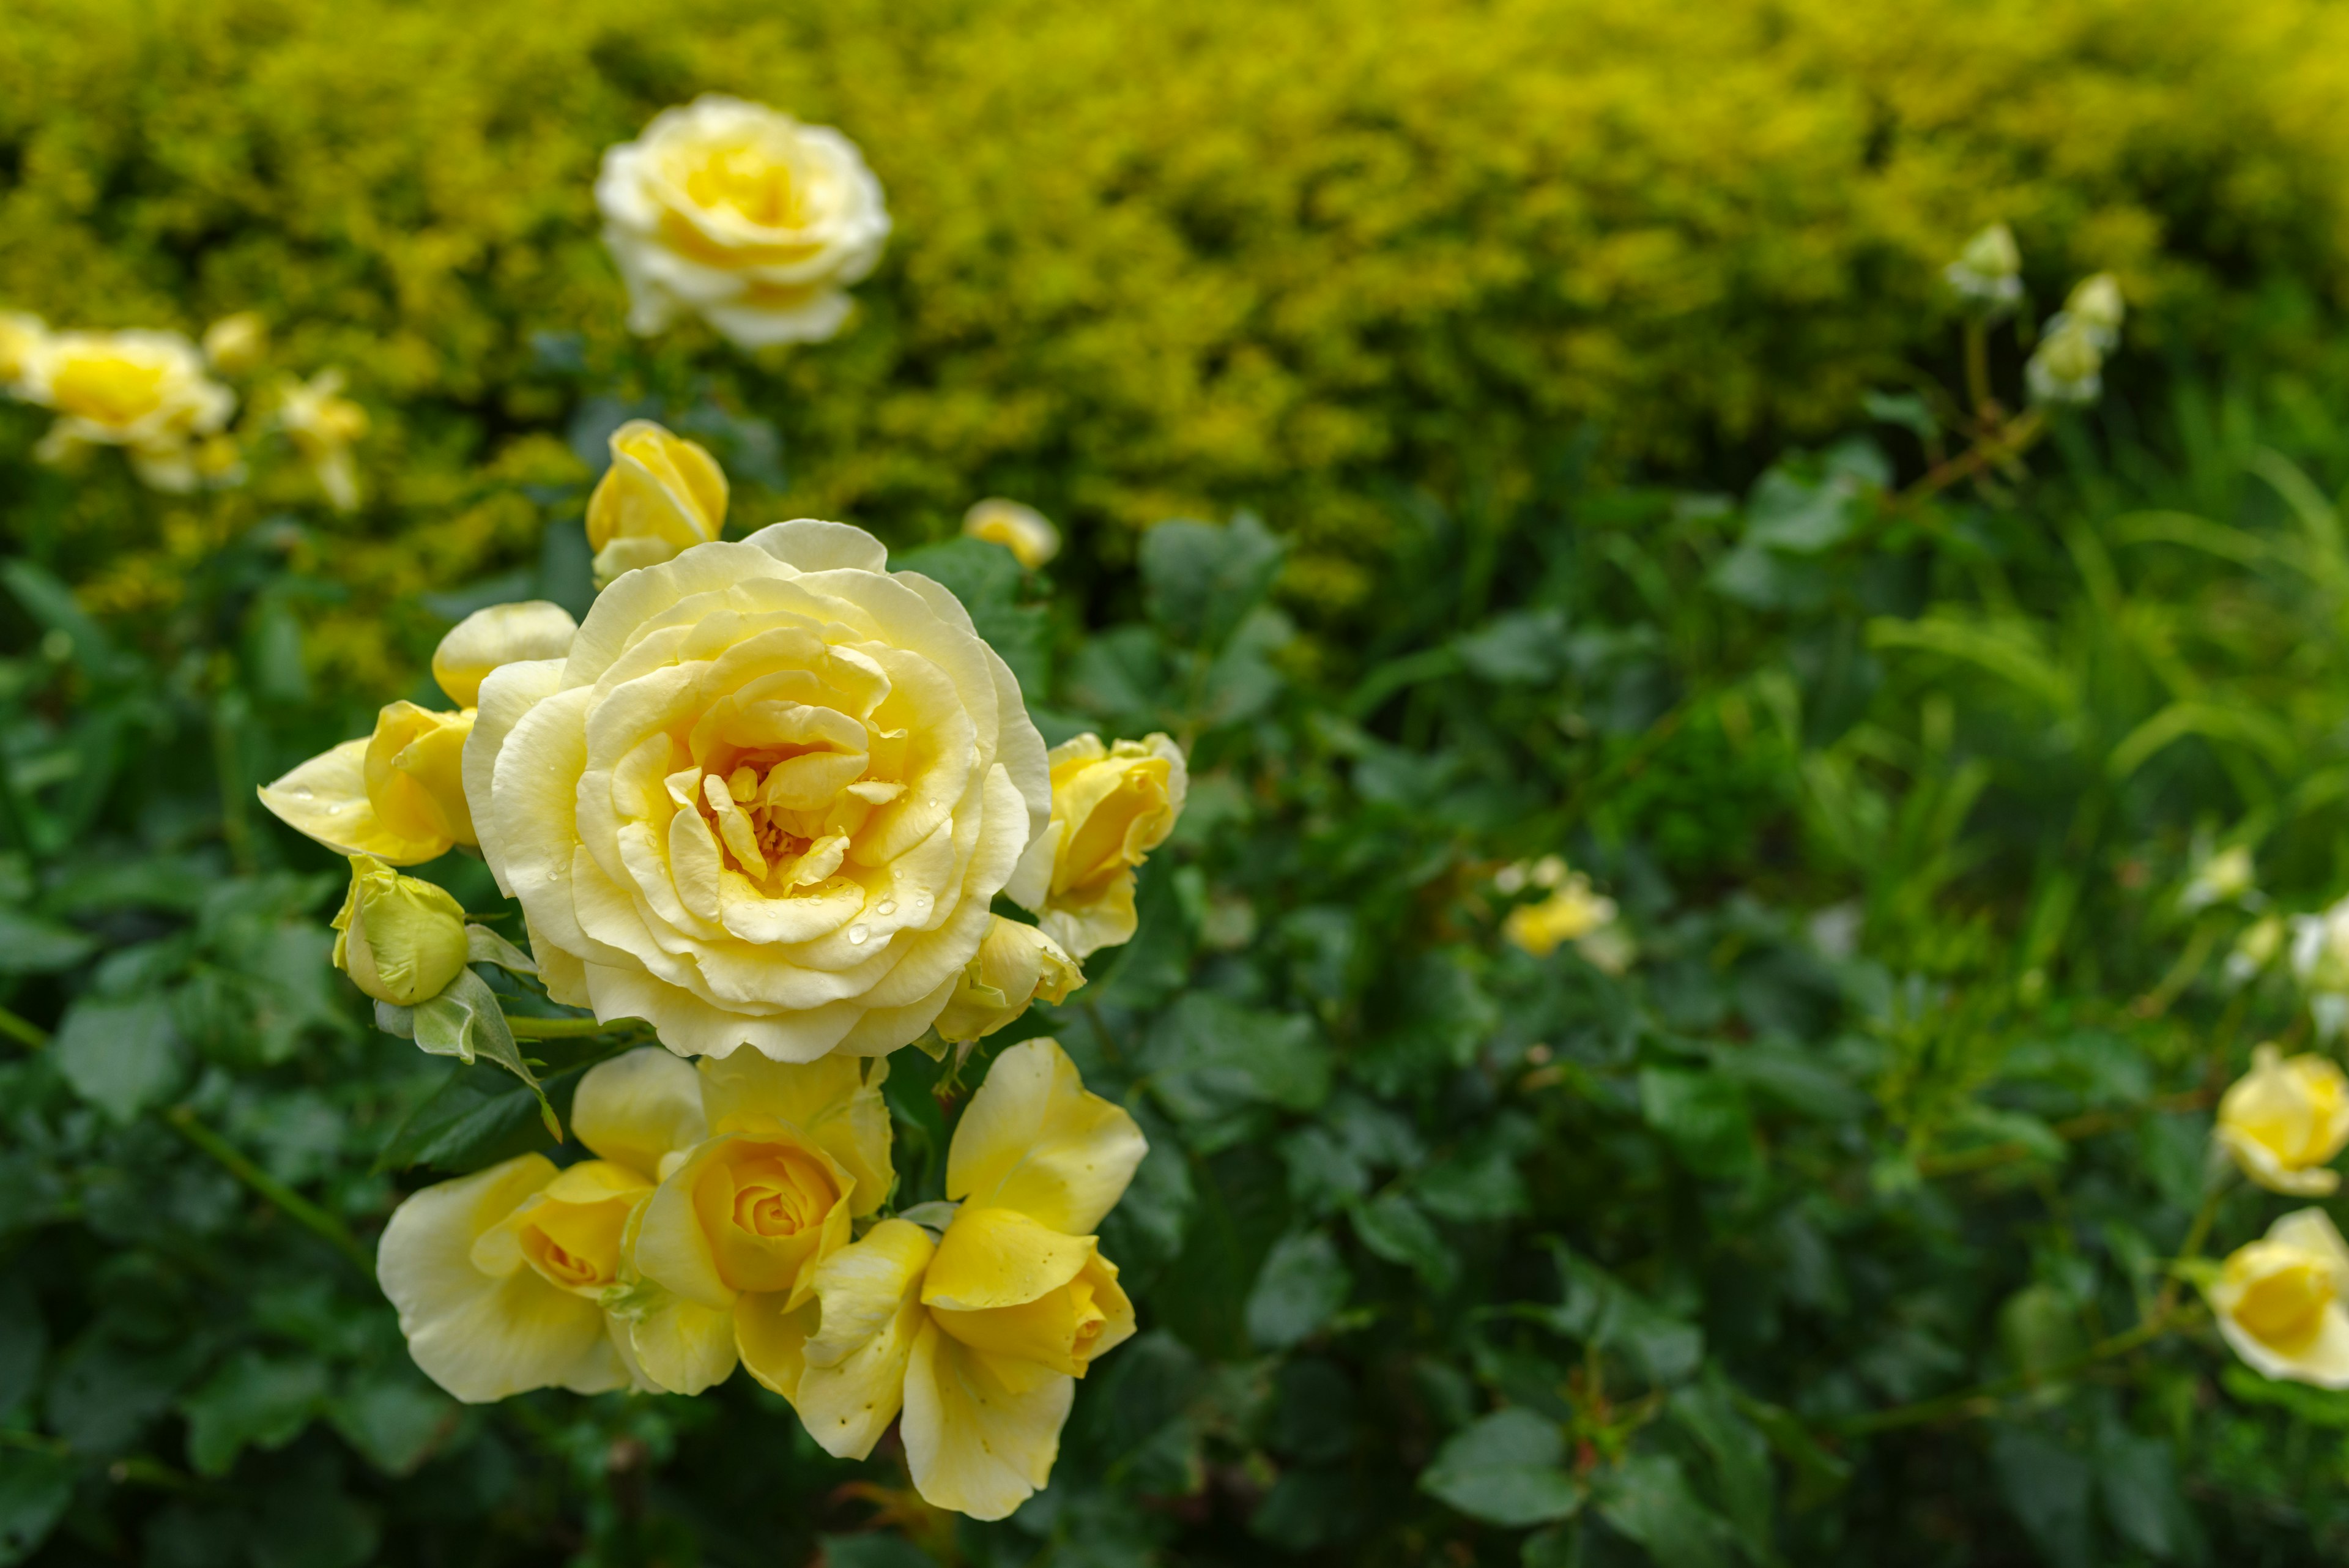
(1169, 254)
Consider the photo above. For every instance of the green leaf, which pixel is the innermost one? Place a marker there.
(1602, 1310)
(23, 1341)
(1708, 1411)
(1802, 516)
(36, 1486)
(474, 1120)
(121, 1056)
(1517, 648)
(1507, 1469)
(104, 1389)
(1198, 580)
(1647, 1496)
(1147, 1226)
(1208, 1055)
(466, 1021)
(1394, 1228)
(31, 945)
(396, 1418)
(2137, 1483)
(2047, 1484)
(253, 1400)
(1301, 1287)
(1703, 1115)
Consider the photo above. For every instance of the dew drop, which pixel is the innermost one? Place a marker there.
(334, 811)
(888, 907)
(856, 935)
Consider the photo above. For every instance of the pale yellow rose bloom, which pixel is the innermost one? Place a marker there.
(322, 425)
(146, 392)
(1571, 914)
(979, 1337)
(662, 494)
(730, 1241)
(21, 335)
(765, 799)
(1027, 532)
(2279, 1301)
(741, 214)
(400, 939)
(500, 1278)
(1017, 965)
(398, 795)
(498, 636)
(1112, 805)
(234, 344)
(2285, 1120)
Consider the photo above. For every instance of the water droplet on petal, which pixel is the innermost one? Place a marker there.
(334, 811)
(856, 935)
(888, 907)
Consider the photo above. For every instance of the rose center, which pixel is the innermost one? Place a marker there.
(109, 390)
(2286, 1308)
(782, 1197)
(752, 182)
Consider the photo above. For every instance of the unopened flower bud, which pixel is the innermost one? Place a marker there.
(2067, 367)
(400, 939)
(234, 344)
(1027, 532)
(1015, 966)
(1989, 271)
(2095, 304)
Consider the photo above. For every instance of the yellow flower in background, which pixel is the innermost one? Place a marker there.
(322, 424)
(1027, 532)
(2279, 1301)
(400, 939)
(398, 795)
(741, 214)
(1571, 914)
(146, 392)
(1989, 271)
(728, 1245)
(2285, 1120)
(21, 335)
(662, 494)
(1112, 805)
(235, 344)
(980, 1335)
(765, 801)
(500, 1277)
(498, 636)
(1016, 966)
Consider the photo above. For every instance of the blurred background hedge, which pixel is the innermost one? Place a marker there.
(1157, 258)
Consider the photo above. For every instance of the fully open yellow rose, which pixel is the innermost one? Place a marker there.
(146, 392)
(2285, 1120)
(662, 494)
(2279, 1301)
(766, 799)
(743, 216)
(979, 1336)
(1112, 805)
(500, 1278)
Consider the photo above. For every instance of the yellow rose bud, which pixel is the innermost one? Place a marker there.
(2285, 1120)
(398, 795)
(234, 344)
(1571, 914)
(20, 336)
(1111, 806)
(1027, 532)
(662, 494)
(322, 424)
(501, 635)
(146, 392)
(743, 216)
(2278, 1302)
(400, 939)
(1015, 965)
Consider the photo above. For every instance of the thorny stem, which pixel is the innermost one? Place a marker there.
(268, 1187)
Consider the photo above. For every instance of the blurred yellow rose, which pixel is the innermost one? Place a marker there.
(234, 344)
(499, 635)
(2279, 1301)
(662, 494)
(500, 1277)
(1027, 532)
(766, 799)
(20, 336)
(400, 939)
(1111, 806)
(398, 795)
(1016, 965)
(2285, 1120)
(1568, 915)
(741, 214)
(979, 1336)
(322, 424)
(146, 392)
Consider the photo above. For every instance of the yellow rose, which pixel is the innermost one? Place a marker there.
(1027, 532)
(500, 1277)
(2278, 1302)
(398, 795)
(400, 939)
(1111, 806)
(765, 801)
(742, 215)
(146, 392)
(1016, 965)
(979, 1336)
(500, 634)
(322, 424)
(731, 1239)
(21, 335)
(1571, 914)
(234, 344)
(2285, 1120)
(662, 494)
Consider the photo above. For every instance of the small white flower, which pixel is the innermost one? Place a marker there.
(1989, 271)
(2067, 367)
(2096, 305)
(2225, 877)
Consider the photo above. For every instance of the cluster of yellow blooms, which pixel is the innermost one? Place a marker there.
(156, 396)
(2283, 1301)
